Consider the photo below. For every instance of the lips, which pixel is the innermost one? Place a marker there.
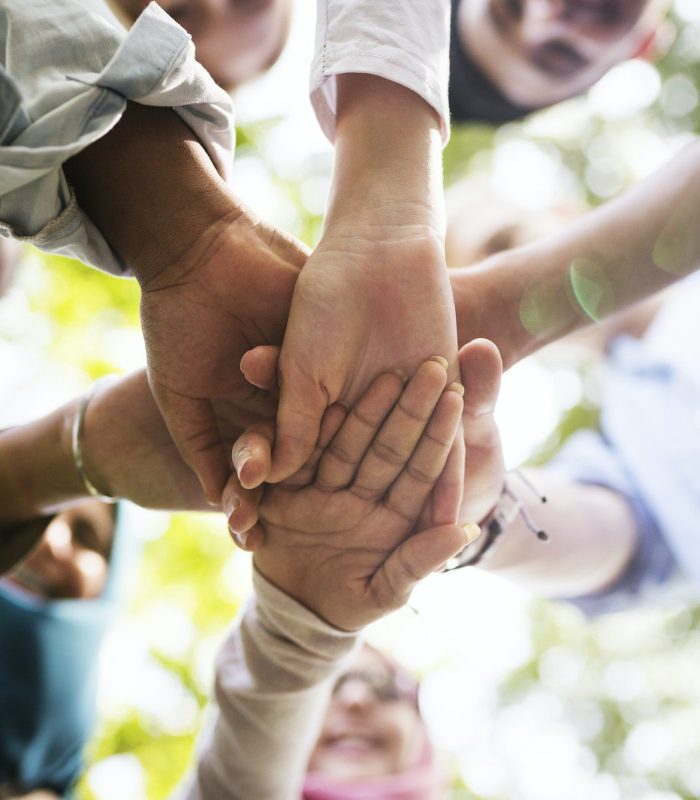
(353, 744)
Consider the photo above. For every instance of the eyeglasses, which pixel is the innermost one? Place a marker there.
(385, 687)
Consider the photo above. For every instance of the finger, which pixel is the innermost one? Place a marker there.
(259, 366)
(330, 425)
(392, 447)
(251, 540)
(413, 560)
(240, 505)
(340, 460)
(192, 425)
(252, 454)
(481, 368)
(412, 488)
(446, 497)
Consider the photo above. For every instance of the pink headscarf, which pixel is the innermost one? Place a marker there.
(424, 781)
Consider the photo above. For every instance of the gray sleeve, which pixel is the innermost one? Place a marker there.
(588, 458)
(65, 79)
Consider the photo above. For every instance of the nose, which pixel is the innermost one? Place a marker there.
(58, 539)
(354, 694)
(213, 7)
(540, 20)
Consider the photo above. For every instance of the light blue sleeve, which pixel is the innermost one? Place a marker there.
(65, 77)
(588, 458)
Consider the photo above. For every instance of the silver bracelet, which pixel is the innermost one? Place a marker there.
(508, 507)
(76, 436)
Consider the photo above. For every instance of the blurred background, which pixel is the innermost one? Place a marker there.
(527, 699)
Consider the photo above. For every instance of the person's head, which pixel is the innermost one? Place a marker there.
(535, 53)
(372, 725)
(481, 223)
(373, 742)
(235, 40)
(71, 559)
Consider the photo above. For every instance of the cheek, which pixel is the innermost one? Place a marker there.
(405, 734)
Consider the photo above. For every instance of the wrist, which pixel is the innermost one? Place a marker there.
(151, 189)
(37, 473)
(517, 299)
(388, 164)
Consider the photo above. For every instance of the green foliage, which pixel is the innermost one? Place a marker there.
(191, 569)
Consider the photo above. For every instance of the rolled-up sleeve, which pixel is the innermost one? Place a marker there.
(64, 83)
(273, 683)
(404, 41)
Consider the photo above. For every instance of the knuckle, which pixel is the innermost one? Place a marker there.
(364, 492)
(421, 475)
(411, 413)
(386, 451)
(341, 454)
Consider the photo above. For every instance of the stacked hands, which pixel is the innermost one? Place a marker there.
(367, 499)
(350, 533)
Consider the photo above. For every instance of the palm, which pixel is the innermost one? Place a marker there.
(338, 534)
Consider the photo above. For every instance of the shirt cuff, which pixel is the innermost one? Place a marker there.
(405, 42)
(74, 98)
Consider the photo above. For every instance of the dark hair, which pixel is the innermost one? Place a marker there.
(473, 97)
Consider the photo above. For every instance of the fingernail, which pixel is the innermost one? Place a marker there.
(440, 360)
(472, 531)
(400, 374)
(230, 505)
(456, 387)
(241, 540)
(241, 457)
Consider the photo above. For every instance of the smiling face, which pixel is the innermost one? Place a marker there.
(71, 559)
(372, 726)
(235, 40)
(538, 52)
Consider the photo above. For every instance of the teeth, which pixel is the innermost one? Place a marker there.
(354, 740)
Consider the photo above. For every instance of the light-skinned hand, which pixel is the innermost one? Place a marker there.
(337, 535)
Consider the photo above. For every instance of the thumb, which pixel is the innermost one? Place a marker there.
(301, 408)
(415, 559)
(193, 427)
(259, 366)
(481, 367)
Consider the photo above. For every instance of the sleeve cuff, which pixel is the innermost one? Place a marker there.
(403, 41)
(75, 98)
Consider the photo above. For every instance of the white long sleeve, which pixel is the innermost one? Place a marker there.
(273, 682)
(404, 41)
(68, 71)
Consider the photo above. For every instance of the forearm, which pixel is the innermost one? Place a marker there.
(37, 473)
(388, 166)
(126, 450)
(152, 190)
(618, 254)
(592, 538)
(272, 687)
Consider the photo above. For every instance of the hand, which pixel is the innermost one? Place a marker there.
(230, 292)
(337, 535)
(215, 280)
(375, 294)
(480, 367)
